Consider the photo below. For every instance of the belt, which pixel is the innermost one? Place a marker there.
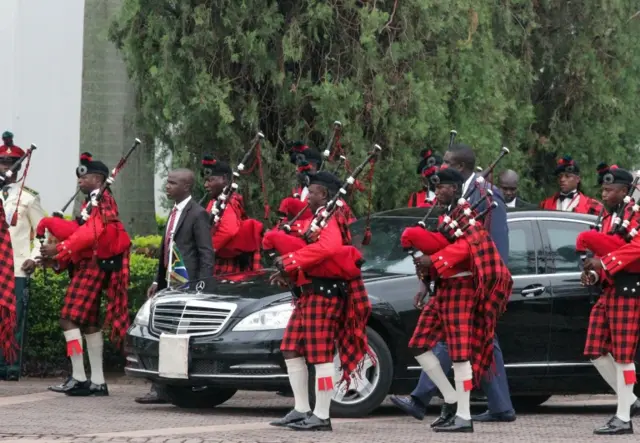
(459, 275)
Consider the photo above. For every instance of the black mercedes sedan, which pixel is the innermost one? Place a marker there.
(206, 344)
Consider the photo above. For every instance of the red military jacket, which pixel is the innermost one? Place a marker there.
(580, 204)
(102, 232)
(235, 233)
(420, 200)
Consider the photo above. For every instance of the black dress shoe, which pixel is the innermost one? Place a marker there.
(488, 417)
(92, 390)
(68, 384)
(292, 417)
(456, 424)
(152, 398)
(635, 408)
(410, 405)
(312, 423)
(615, 426)
(447, 413)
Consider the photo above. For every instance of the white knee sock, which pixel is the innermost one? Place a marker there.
(324, 389)
(626, 374)
(299, 380)
(431, 365)
(463, 376)
(74, 352)
(606, 366)
(95, 344)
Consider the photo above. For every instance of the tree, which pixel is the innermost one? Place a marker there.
(401, 74)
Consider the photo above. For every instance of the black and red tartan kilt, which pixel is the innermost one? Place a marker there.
(82, 300)
(614, 326)
(248, 261)
(448, 316)
(313, 327)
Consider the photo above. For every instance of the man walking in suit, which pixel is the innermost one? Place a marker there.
(189, 225)
(496, 388)
(508, 183)
(24, 212)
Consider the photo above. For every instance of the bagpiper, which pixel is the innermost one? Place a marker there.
(96, 255)
(614, 324)
(429, 164)
(23, 212)
(570, 197)
(236, 237)
(331, 311)
(472, 286)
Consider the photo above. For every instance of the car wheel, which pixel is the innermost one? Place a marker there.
(198, 396)
(525, 402)
(368, 387)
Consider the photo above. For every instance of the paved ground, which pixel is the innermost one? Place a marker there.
(28, 413)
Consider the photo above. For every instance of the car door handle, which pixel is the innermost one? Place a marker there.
(532, 291)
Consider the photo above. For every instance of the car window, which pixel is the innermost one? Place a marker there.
(522, 250)
(560, 245)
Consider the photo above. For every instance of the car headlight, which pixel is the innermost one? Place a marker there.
(142, 317)
(275, 317)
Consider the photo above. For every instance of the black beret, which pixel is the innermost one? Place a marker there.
(301, 154)
(568, 165)
(429, 163)
(326, 179)
(90, 166)
(213, 167)
(447, 176)
(613, 175)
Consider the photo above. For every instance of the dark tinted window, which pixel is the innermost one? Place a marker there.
(522, 250)
(560, 245)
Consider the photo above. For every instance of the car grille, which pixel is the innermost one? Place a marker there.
(193, 317)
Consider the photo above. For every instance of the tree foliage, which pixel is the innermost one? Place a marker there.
(543, 77)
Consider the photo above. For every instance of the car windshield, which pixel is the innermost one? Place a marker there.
(384, 253)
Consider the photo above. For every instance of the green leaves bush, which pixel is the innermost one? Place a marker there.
(45, 348)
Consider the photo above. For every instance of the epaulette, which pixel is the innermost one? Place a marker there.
(30, 191)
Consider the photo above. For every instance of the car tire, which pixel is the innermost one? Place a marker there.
(382, 376)
(525, 402)
(197, 397)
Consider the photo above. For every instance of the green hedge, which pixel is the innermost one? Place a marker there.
(44, 350)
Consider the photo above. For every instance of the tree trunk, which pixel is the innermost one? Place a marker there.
(108, 121)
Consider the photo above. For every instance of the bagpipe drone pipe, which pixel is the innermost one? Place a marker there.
(60, 229)
(345, 264)
(249, 236)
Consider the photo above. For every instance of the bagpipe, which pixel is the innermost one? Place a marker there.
(11, 172)
(224, 199)
(249, 236)
(625, 225)
(449, 228)
(344, 265)
(60, 229)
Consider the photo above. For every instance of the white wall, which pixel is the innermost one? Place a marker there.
(41, 45)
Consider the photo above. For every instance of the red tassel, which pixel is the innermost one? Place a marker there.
(14, 219)
(467, 385)
(325, 384)
(74, 347)
(629, 377)
(366, 239)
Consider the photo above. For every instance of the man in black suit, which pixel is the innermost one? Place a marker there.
(508, 183)
(496, 388)
(190, 226)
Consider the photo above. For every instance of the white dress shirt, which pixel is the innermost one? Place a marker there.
(466, 184)
(511, 204)
(304, 193)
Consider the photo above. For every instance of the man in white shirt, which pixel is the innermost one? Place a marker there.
(24, 212)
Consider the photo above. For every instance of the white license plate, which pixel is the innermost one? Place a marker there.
(173, 360)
